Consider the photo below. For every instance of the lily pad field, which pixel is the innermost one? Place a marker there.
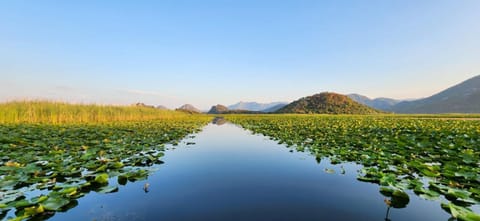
(438, 159)
(46, 166)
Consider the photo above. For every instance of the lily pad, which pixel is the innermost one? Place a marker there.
(399, 199)
(34, 210)
(461, 213)
(398, 153)
(107, 189)
(54, 203)
(101, 179)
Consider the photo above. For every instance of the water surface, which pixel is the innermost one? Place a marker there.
(230, 174)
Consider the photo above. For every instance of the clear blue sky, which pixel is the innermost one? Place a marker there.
(209, 52)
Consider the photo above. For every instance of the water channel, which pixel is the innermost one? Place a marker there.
(230, 174)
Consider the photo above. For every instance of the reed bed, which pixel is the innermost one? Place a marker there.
(61, 112)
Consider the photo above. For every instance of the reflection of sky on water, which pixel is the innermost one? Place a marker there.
(231, 175)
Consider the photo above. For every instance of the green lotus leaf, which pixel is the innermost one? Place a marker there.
(429, 173)
(34, 210)
(388, 180)
(461, 213)
(137, 175)
(457, 193)
(38, 199)
(107, 189)
(101, 179)
(69, 191)
(116, 165)
(22, 203)
(426, 193)
(368, 179)
(429, 196)
(101, 168)
(400, 199)
(54, 202)
(386, 191)
(476, 192)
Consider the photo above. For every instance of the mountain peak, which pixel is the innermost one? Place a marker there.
(461, 98)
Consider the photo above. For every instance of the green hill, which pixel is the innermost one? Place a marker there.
(327, 103)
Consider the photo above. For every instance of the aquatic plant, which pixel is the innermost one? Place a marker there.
(438, 159)
(44, 168)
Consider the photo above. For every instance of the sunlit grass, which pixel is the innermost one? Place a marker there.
(60, 112)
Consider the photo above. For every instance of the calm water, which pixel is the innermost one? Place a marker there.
(230, 174)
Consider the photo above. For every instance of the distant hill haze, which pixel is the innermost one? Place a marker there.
(254, 106)
(461, 98)
(220, 109)
(327, 103)
(274, 108)
(385, 104)
(189, 108)
(161, 107)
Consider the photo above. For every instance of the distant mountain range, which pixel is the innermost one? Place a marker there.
(221, 109)
(378, 103)
(254, 106)
(275, 108)
(327, 103)
(461, 98)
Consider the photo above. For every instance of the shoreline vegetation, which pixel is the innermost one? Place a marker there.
(60, 112)
(53, 112)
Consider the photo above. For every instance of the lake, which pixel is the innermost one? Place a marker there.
(230, 174)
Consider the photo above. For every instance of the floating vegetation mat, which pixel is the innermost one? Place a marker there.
(45, 168)
(436, 158)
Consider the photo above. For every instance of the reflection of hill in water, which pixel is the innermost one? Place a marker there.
(219, 121)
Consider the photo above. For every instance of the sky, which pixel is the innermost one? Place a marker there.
(223, 51)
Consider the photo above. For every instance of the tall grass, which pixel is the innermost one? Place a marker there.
(59, 112)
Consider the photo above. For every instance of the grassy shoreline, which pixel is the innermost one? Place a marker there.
(60, 112)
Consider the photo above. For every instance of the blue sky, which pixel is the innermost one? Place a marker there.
(224, 51)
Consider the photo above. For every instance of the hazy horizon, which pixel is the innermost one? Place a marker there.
(222, 52)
